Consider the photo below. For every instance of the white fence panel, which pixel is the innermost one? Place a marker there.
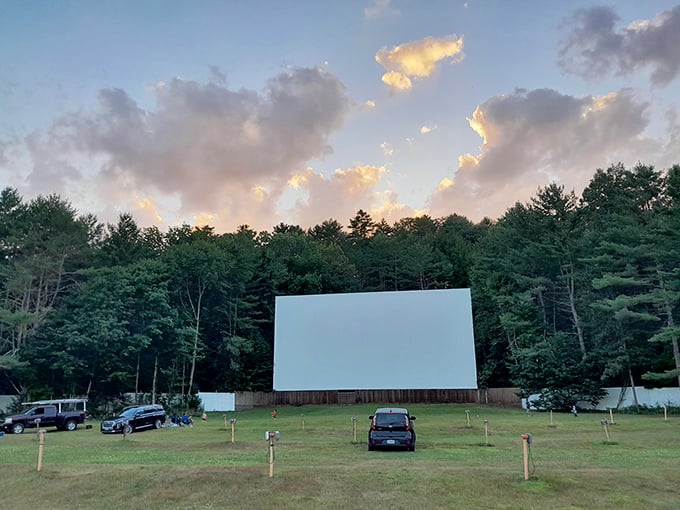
(213, 402)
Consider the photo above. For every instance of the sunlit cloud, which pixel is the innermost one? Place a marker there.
(210, 149)
(347, 189)
(396, 81)
(417, 60)
(532, 138)
(594, 47)
(146, 207)
(389, 208)
(427, 129)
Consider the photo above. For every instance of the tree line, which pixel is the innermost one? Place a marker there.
(570, 294)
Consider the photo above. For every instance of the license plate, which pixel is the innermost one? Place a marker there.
(390, 441)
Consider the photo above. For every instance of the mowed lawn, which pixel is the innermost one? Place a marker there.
(572, 465)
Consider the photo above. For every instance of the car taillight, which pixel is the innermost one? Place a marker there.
(408, 427)
(373, 427)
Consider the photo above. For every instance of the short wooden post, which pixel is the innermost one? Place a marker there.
(552, 425)
(302, 421)
(486, 432)
(41, 435)
(271, 455)
(605, 427)
(665, 414)
(611, 416)
(233, 430)
(225, 421)
(525, 444)
(467, 418)
(354, 427)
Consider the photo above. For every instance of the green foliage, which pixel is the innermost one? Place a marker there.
(569, 294)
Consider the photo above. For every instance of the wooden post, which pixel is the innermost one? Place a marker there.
(233, 434)
(41, 435)
(486, 432)
(467, 418)
(605, 427)
(552, 425)
(611, 416)
(225, 422)
(271, 455)
(354, 427)
(525, 444)
(302, 420)
(665, 414)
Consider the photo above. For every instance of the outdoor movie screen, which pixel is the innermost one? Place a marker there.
(375, 340)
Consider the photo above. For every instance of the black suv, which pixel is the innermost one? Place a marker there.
(392, 427)
(135, 418)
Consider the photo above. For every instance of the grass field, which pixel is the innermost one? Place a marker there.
(572, 465)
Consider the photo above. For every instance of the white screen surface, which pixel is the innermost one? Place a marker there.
(375, 340)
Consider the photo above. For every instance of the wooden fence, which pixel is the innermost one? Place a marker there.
(506, 397)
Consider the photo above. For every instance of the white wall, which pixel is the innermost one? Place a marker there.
(214, 402)
(375, 340)
(654, 397)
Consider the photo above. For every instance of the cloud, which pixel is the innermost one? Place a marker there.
(532, 138)
(387, 149)
(348, 190)
(418, 59)
(594, 48)
(427, 129)
(205, 146)
(380, 9)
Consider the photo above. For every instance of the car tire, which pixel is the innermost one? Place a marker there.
(157, 424)
(70, 425)
(18, 428)
(128, 429)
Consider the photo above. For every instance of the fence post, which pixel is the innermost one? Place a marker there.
(41, 435)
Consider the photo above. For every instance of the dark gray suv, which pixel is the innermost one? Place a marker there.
(135, 418)
(392, 427)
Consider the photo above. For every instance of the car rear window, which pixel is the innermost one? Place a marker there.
(390, 420)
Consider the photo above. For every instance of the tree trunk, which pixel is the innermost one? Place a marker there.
(194, 354)
(576, 320)
(153, 384)
(632, 387)
(137, 381)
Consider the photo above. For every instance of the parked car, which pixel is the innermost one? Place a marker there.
(135, 418)
(392, 427)
(47, 415)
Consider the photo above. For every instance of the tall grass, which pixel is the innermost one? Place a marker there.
(321, 466)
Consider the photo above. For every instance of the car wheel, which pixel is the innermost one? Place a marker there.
(127, 429)
(412, 448)
(158, 423)
(18, 428)
(71, 425)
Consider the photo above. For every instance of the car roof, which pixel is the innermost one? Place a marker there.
(395, 410)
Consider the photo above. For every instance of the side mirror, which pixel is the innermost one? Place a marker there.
(413, 417)
(370, 417)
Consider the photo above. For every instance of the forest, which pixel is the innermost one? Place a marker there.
(570, 293)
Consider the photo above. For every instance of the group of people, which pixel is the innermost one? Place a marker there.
(181, 421)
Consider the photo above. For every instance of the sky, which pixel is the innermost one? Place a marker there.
(260, 112)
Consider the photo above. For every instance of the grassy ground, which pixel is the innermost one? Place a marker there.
(572, 465)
